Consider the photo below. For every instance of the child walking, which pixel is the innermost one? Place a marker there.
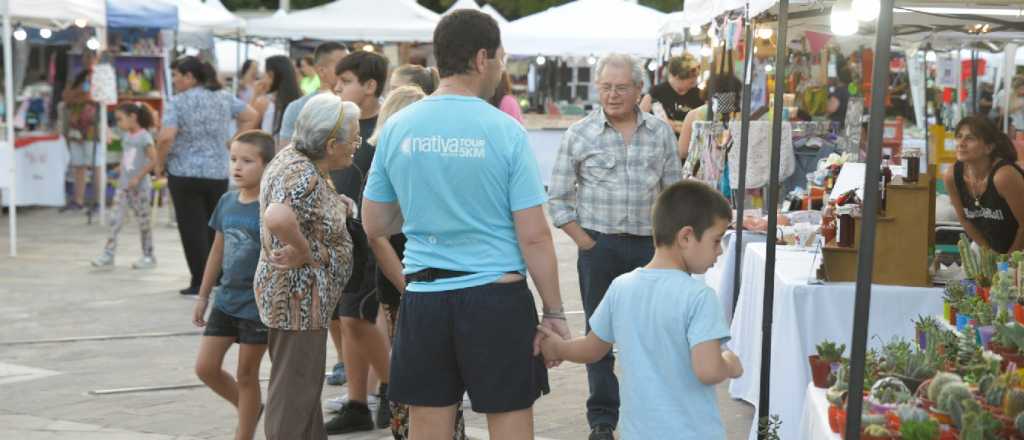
(134, 186)
(234, 318)
(668, 326)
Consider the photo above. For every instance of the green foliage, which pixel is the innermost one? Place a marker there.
(919, 429)
(1013, 403)
(890, 390)
(768, 427)
(1018, 423)
(830, 351)
(877, 431)
(910, 412)
(951, 401)
(977, 424)
(939, 383)
(954, 294)
(1011, 335)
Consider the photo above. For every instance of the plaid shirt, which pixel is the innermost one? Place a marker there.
(606, 186)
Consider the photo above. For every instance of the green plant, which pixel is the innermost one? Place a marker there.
(926, 323)
(1004, 293)
(981, 311)
(768, 427)
(890, 390)
(1018, 423)
(1013, 402)
(830, 351)
(980, 266)
(910, 412)
(954, 294)
(1013, 334)
(939, 383)
(919, 429)
(977, 424)
(951, 401)
(968, 351)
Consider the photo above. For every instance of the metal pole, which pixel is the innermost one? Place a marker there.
(772, 206)
(866, 253)
(744, 146)
(924, 63)
(9, 130)
(974, 81)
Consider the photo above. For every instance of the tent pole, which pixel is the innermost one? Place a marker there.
(1010, 57)
(748, 60)
(974, 81)
(866, 254)
(924, 64)
(238, 63)
(12, 216)
(101, 199)
(772, 205)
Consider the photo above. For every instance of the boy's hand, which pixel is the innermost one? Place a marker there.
(733, 363)
(547, 344)
(199, 311)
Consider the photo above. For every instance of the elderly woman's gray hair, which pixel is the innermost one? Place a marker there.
(622, 60)
(318, 117)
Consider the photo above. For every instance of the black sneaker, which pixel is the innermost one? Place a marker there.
(602, 432)
(189, 291)
(383, 408)
(353, 417)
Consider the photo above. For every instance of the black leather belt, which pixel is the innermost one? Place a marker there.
(431, 274)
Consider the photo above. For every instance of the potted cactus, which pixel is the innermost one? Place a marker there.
(980, 266)
(978, 424)
(923, 326)
(829, 353)
(876, 432)
(953, 296)
(919, 429)
(887, 394)
(951, 403)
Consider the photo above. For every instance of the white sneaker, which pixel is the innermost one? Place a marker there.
(144, 263)
(104, 261)
(334, 405)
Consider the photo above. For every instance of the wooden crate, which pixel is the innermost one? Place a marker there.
(904, 235)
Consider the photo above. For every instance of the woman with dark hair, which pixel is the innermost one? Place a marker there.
(722, 83)
(504, 100)
(192, 147)
(80, 125)
(678, 95)
(275, 90)
(986, 186)
(247, 78)
(426, 78)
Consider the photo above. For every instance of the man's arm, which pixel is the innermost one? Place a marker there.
(248, 119)
(381, 220)
(388, 262)
(538, 249)
(583, 350)
(562, 195)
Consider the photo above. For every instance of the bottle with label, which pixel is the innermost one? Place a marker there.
(883, 185)
(845, 230)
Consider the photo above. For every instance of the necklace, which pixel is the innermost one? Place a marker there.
(973, 189)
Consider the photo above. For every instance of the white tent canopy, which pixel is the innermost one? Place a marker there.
(584, 28)
(197, 16)
(45, 12)
(371, 20)
(462, 4)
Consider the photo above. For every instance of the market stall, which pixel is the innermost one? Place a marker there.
(352, 20)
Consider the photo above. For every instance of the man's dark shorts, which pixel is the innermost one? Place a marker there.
(478, 339)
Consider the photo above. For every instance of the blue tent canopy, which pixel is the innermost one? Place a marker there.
(142, 14)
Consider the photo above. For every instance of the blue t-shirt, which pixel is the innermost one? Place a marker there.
(459, 168)
(240, 225)
(655, 317)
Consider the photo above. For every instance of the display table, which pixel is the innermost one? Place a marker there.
(40, 163)
(814, 423)
(720, 277)
(805, 315)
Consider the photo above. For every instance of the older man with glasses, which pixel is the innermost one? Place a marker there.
(610, 167)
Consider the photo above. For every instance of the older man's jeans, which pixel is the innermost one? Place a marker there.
(613, 255)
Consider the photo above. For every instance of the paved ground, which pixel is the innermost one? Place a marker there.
(69, 334)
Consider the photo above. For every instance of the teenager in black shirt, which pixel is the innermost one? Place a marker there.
(678, 94)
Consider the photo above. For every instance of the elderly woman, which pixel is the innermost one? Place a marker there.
(193, 146)
(305, 261)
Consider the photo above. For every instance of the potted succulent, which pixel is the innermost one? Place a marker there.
(978, 424)
(923, 326)
(876, 432)
(768, 428)
(936, 388)
(1007, 342)
(829, 353)
(953, 295)
(951, 403)
(919, 429)
(887, 394)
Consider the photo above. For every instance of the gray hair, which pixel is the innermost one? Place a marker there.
(317, 119)
(622, 60)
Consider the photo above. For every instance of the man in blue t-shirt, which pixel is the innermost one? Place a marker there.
(462, 176)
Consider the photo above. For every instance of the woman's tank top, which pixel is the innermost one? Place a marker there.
(989, 213)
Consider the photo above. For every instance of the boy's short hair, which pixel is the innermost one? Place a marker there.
(687, 203)
(260, 139)
(365, 66)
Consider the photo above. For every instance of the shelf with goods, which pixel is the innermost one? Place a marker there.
(959, 378)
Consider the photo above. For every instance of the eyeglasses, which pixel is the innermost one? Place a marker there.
(620, 89)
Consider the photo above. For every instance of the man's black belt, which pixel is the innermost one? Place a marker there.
(429, 275)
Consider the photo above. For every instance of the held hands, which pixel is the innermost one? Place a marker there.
(551, 333)
(733, 363)
(199, 311)
(289, 257)
(353, 209)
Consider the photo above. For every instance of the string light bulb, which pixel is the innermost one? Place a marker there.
(866, 10)
(765, 33)
(45, 33)
(81, 22)
(93, 44)
(842, 21)
(541, 60)
(695, 30)
(20, 34)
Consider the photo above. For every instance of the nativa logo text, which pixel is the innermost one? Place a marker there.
(449, 147)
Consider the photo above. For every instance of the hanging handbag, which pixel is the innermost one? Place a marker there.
(725, 103)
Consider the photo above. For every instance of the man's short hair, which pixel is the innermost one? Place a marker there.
(687, 203)
(325, 49)
(625, 61)
(458, 38)
(365, 66)
(259, 139)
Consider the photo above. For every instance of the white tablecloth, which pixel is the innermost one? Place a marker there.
(40, 168)
(805, 315)
(814, 423)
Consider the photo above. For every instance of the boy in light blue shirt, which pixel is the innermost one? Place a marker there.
(668, 327)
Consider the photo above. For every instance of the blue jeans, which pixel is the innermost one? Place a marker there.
(613, 255)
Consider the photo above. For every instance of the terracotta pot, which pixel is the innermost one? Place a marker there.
(952, 316)
(983, 292)
(1018, 313)
(940, 416)
(820, 369)
(833, 418)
